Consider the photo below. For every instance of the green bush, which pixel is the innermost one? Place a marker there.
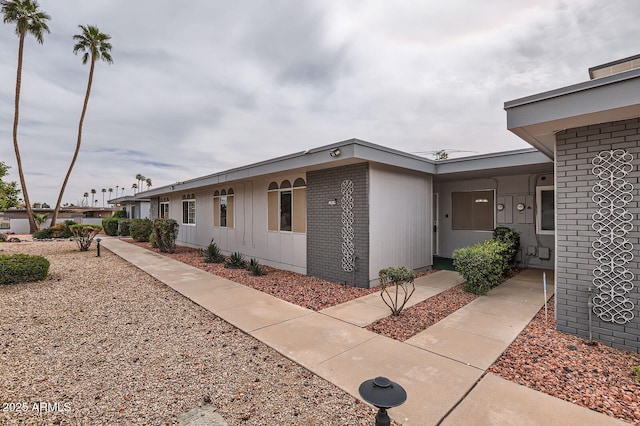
(120, 214)
(212, 253)
(140, 229)
(18, 268)
(110, 226)
(255, 268)
(512, 239)
(397, 279)
(84, 235)
(481, 265)
(3, 238)
(235, 261)
(43, 234)
(165, 234)
(123, 227)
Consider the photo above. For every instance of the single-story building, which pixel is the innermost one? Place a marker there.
(345, 210)
(134, 207)
(15, 220)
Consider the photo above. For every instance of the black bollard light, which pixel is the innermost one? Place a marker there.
(98, 241)
(383, 394)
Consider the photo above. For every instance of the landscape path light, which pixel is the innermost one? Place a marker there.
(383, 394)
(98, 241)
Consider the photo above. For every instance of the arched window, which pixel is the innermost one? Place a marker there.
(287, 206)
(223, 208)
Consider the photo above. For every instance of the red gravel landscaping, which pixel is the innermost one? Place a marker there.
(302, 290)
(567, 367)
(420, 316)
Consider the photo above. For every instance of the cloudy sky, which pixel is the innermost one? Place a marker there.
(202, 86)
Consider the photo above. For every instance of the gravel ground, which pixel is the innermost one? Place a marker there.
(100, 342)
(421, 316)
(594, 376)
(597, 377)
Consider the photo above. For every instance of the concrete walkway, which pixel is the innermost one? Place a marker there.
(442, 368)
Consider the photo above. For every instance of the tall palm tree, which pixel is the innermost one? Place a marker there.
(104, 190)
(148, 182)
(134, 187)
(139, 178)
(95, 45)
(86, 198)
(111, 191)
(93, 196)
(28, 17)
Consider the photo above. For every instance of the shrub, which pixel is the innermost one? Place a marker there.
(63, 230)
(636, 372)
(255, 268)
(165, 233)
(3, 238)
(123, 227)
(84, 235)
(397, 278)
(120, 214)
(512, 239)
(43, 234)
(212, 253)
(18, 268)
(140, 229)
(481, 265)
(110, 226)
(235, 261)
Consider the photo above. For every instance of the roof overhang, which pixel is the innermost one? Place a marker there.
(350, 152)
(537, 118)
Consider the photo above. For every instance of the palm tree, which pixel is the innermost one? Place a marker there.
(28, 18)
(104, 191)
(95, 45)
(148, 182)
(111, 191)
(139, 178)
(93, 196)
(86, 198)
(134, 187)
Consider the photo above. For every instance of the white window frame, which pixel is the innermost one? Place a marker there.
(539, 190)
(164, 210)
(189, 223)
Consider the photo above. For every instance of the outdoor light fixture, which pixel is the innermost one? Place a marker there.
(98, 241)
(383, 394)
(335, 152)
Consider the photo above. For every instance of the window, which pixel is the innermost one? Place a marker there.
(164, 210)
(287, 206)
(189, 212)
(223, 208)
(545, 210)
(473, 210)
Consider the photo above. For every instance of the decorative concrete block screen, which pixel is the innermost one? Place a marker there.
(348, 248)
(612, 249)
(597, 232)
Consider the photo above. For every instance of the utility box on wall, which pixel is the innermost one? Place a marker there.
(523, 209)
(504, 210)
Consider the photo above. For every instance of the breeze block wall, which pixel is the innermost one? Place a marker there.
(325, 225)
(575, 208)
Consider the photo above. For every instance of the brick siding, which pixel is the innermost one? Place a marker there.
(324, 224)
(575, 149)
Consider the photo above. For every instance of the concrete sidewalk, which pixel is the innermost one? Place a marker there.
(442, 369)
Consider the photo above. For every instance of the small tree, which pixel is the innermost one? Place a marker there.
(84, 234)
(397, 279)
(8, 190)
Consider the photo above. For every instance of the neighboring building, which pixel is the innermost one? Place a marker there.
(134, 207)
(592, 131)
(344, 211)
(15, 221)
